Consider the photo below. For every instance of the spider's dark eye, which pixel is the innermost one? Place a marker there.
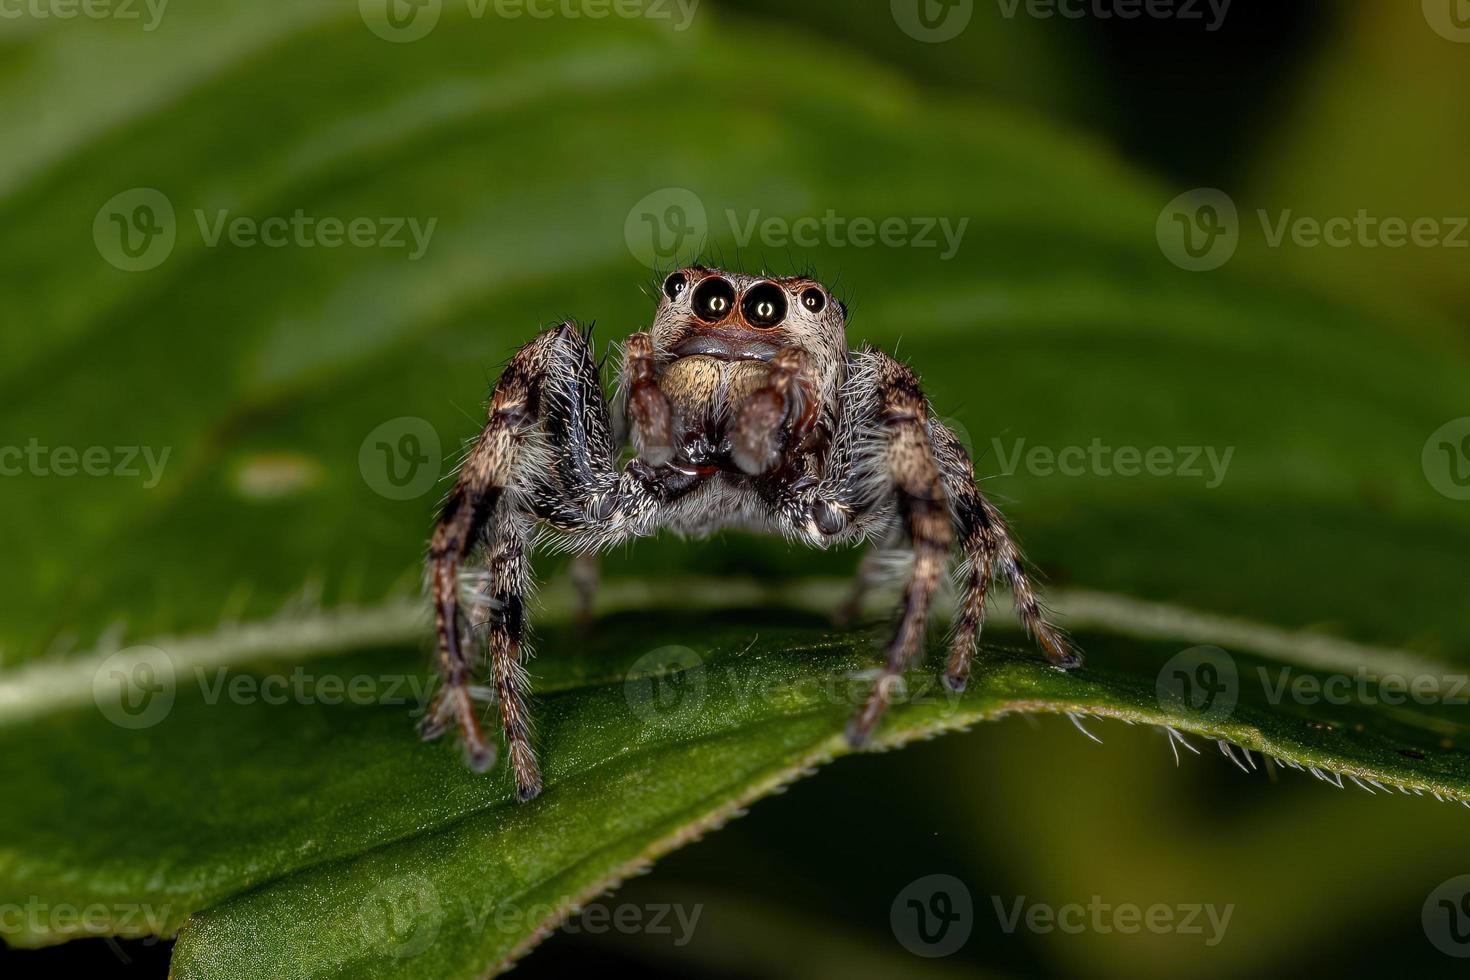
(814, 299)
(765, 305)
(675, 284)
(714, 298)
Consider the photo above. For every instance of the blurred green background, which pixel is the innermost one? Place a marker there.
(563, 163)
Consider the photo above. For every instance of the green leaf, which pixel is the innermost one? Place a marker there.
(270, 556)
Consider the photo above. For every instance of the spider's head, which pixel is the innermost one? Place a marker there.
(735, 317)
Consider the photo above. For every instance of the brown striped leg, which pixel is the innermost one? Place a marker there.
(924, 513)
(508, 561)
(1052, 641)
(470, 504)
(987, 543)
(562, 357)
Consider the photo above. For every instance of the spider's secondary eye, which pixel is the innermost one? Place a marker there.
(814, 299)
(765, 305)
(713, 299)
(675, 284)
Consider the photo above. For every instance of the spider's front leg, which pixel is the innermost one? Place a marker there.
(906, 459)
(545, 452)
(892, 457)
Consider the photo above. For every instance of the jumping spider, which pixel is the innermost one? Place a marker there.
(745, 409)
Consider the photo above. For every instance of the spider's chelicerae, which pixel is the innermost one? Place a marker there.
(745, 409)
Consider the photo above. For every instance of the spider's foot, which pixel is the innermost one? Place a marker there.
(479, 754)
(956, 682)
(1065, 659)
(527, 772)
(432, 727)
(436, 720)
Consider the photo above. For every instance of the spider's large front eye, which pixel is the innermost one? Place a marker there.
(765, 305)
(675, 284)
(713, 299)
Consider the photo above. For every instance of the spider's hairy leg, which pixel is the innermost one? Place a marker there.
(508, 561)
(986, 543)
(759, 434)
(476, 494)
(549, 390)
(648, 409)
(923, 512)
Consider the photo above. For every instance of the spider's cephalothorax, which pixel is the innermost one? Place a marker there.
(744, 408)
